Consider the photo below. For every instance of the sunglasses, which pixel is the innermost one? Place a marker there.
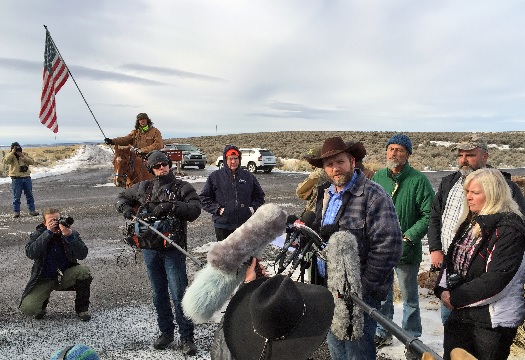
(159, 165)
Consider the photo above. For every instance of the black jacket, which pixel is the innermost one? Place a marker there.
(146, 195)
(440, 200)
(37, 247)
(491, 293)
(235, 193)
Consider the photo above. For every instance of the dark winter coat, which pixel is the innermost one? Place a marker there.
(369, 214)
(440, 200)
(37, 248)
(146, 195)
(412, 195)
(236, 193)
(492, 292)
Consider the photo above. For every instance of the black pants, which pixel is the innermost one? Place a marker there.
(484, 344)
(222, 234)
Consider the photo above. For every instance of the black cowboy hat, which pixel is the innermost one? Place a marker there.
(278, 317)
(335, 145)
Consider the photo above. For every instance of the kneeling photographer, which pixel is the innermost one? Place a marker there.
(18, 169)
(168, 204)
(56, 248)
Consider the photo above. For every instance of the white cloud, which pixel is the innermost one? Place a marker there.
(245, 65)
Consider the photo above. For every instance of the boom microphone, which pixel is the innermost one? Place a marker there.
(228, 260)
(344, 279)
(249, 239)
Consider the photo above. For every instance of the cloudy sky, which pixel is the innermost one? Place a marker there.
(204, 67)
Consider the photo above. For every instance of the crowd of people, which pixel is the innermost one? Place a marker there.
(474, 223)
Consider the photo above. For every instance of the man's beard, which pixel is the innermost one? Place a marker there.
(466, 170)
(394, 163)
(342, 181)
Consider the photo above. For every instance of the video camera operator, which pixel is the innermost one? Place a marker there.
(18, 163)
(173, 202)
(56, 248)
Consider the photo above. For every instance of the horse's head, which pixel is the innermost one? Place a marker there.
(121, 166)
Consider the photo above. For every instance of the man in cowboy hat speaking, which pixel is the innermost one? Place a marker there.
(355, 204)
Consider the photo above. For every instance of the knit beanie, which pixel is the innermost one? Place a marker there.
(77, 352)
(401, 139)
(156, 157)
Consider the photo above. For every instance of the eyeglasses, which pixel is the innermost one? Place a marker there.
(159, 165)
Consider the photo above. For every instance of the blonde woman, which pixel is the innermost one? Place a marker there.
(484, 272)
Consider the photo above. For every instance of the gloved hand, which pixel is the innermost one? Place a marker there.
(163, 209)
(327, 230)
(128, 212)
(135, 150)
(108, 141)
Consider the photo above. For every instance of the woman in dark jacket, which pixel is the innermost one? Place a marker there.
(484, 272)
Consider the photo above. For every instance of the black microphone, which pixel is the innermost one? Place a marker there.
(308, 218)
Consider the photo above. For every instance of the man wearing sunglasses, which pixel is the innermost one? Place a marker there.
(172, 202)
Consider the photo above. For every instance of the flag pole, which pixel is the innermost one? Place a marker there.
(70, 74)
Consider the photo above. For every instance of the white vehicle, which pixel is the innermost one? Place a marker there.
(191, 156)
(254, 159)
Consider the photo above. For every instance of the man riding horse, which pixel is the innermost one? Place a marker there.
(143, 139)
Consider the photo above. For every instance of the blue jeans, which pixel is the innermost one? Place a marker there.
(17, 186)
(445, 313)
(411, 323)
(362, 349)
(167, 270)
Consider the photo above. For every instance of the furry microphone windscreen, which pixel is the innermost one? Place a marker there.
(208, 292)
(344, 269)
(249, 239)
(227, 262)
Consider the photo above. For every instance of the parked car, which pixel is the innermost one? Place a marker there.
(254, 159)
(191, 156)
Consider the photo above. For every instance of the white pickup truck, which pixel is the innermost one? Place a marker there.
(254, 159)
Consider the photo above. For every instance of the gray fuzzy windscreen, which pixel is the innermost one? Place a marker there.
(344, 278)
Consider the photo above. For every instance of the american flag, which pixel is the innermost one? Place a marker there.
(54, 76)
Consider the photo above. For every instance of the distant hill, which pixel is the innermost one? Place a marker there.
(506, 148)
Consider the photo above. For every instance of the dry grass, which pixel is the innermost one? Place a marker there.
(44, 156)
(426, 154)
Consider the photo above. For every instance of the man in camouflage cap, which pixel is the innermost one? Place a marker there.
(447, 206)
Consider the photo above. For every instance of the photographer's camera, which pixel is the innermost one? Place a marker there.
(23, 168)
(66, 221)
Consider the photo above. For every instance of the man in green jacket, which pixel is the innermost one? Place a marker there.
(412, 195)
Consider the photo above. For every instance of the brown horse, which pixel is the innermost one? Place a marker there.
(129, 168)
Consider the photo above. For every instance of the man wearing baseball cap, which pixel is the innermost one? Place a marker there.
(447, 206)
(231, 194)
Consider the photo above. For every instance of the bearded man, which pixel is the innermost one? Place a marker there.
(355, 204)
(447, 206)
(412, 195)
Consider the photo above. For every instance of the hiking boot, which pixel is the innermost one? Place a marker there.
(84, 316)
(163, 341)
(381, 341)
(16, 214)
(40, 315)
(34, 213)
(189, 348)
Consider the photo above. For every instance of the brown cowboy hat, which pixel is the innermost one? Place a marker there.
(333, 146)
(277, 317)
(357, 149)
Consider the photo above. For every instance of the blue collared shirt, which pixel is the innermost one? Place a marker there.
(334, 204)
